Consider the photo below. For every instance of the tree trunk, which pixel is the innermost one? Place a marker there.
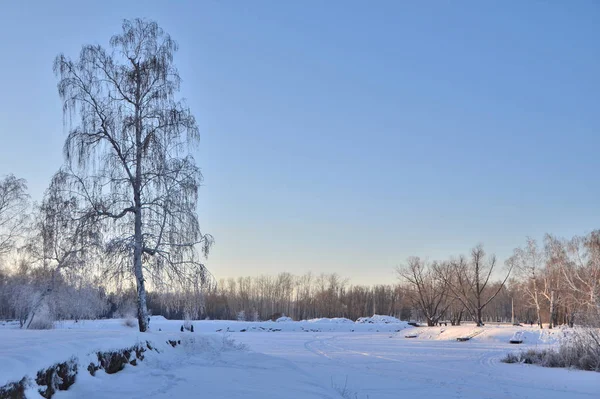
(478, 292)
(512, 311)
(537, 304)
(142, 309)
(550, 325)
(479, 320)
(374, 304)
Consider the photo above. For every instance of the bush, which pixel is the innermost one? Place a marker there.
(129, 322)
(580, 350)
(41, 324)
(511, 358)
(42, 320)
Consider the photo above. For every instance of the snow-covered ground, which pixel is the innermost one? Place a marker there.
(325, 358)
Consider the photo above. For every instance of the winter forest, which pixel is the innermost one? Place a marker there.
(113, 259)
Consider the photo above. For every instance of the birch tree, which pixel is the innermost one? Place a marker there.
(552, 277)
(529, 263)
(14, 202)
(128, 153)
(581, 276)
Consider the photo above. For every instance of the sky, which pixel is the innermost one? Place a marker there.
(345, 136)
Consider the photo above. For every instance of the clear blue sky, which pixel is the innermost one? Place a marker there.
(344, 136)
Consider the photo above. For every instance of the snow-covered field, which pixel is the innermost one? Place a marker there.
(325, 358)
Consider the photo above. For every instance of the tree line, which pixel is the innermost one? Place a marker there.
(554, 285)
(557, 283)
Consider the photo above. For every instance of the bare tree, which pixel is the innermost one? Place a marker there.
(581, 276)
(63, 237)
(468, 281)
(428, 292)
(14, 202)
(529, 263)
(553, 288)
(129, 154)
(19, 293)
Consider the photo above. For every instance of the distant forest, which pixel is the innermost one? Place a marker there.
(554, 285)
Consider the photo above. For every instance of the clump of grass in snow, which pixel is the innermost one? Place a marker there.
(344, 391)
(511, 358)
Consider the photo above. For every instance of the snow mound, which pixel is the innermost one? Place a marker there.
(379, 319)
(283, 324)
(542, 336)
(517, 338)
(493, 333)
(335, 320)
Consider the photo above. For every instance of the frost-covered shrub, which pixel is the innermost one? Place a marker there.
(43, 319)
(511, 358)
(21, 298)
(537, 356)
(241, 316)
(253, 316)
(187, 322)
(126, 308)
(82, 301)
(580, 349)
(229, 343)
(41, 324)
(129, 322)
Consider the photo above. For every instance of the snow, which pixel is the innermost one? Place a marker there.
(379, 324)
(378, 319)
(24, 352)
(335, 320)
(490, 333)
(370, 359)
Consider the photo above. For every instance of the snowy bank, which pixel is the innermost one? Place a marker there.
(31, 355)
